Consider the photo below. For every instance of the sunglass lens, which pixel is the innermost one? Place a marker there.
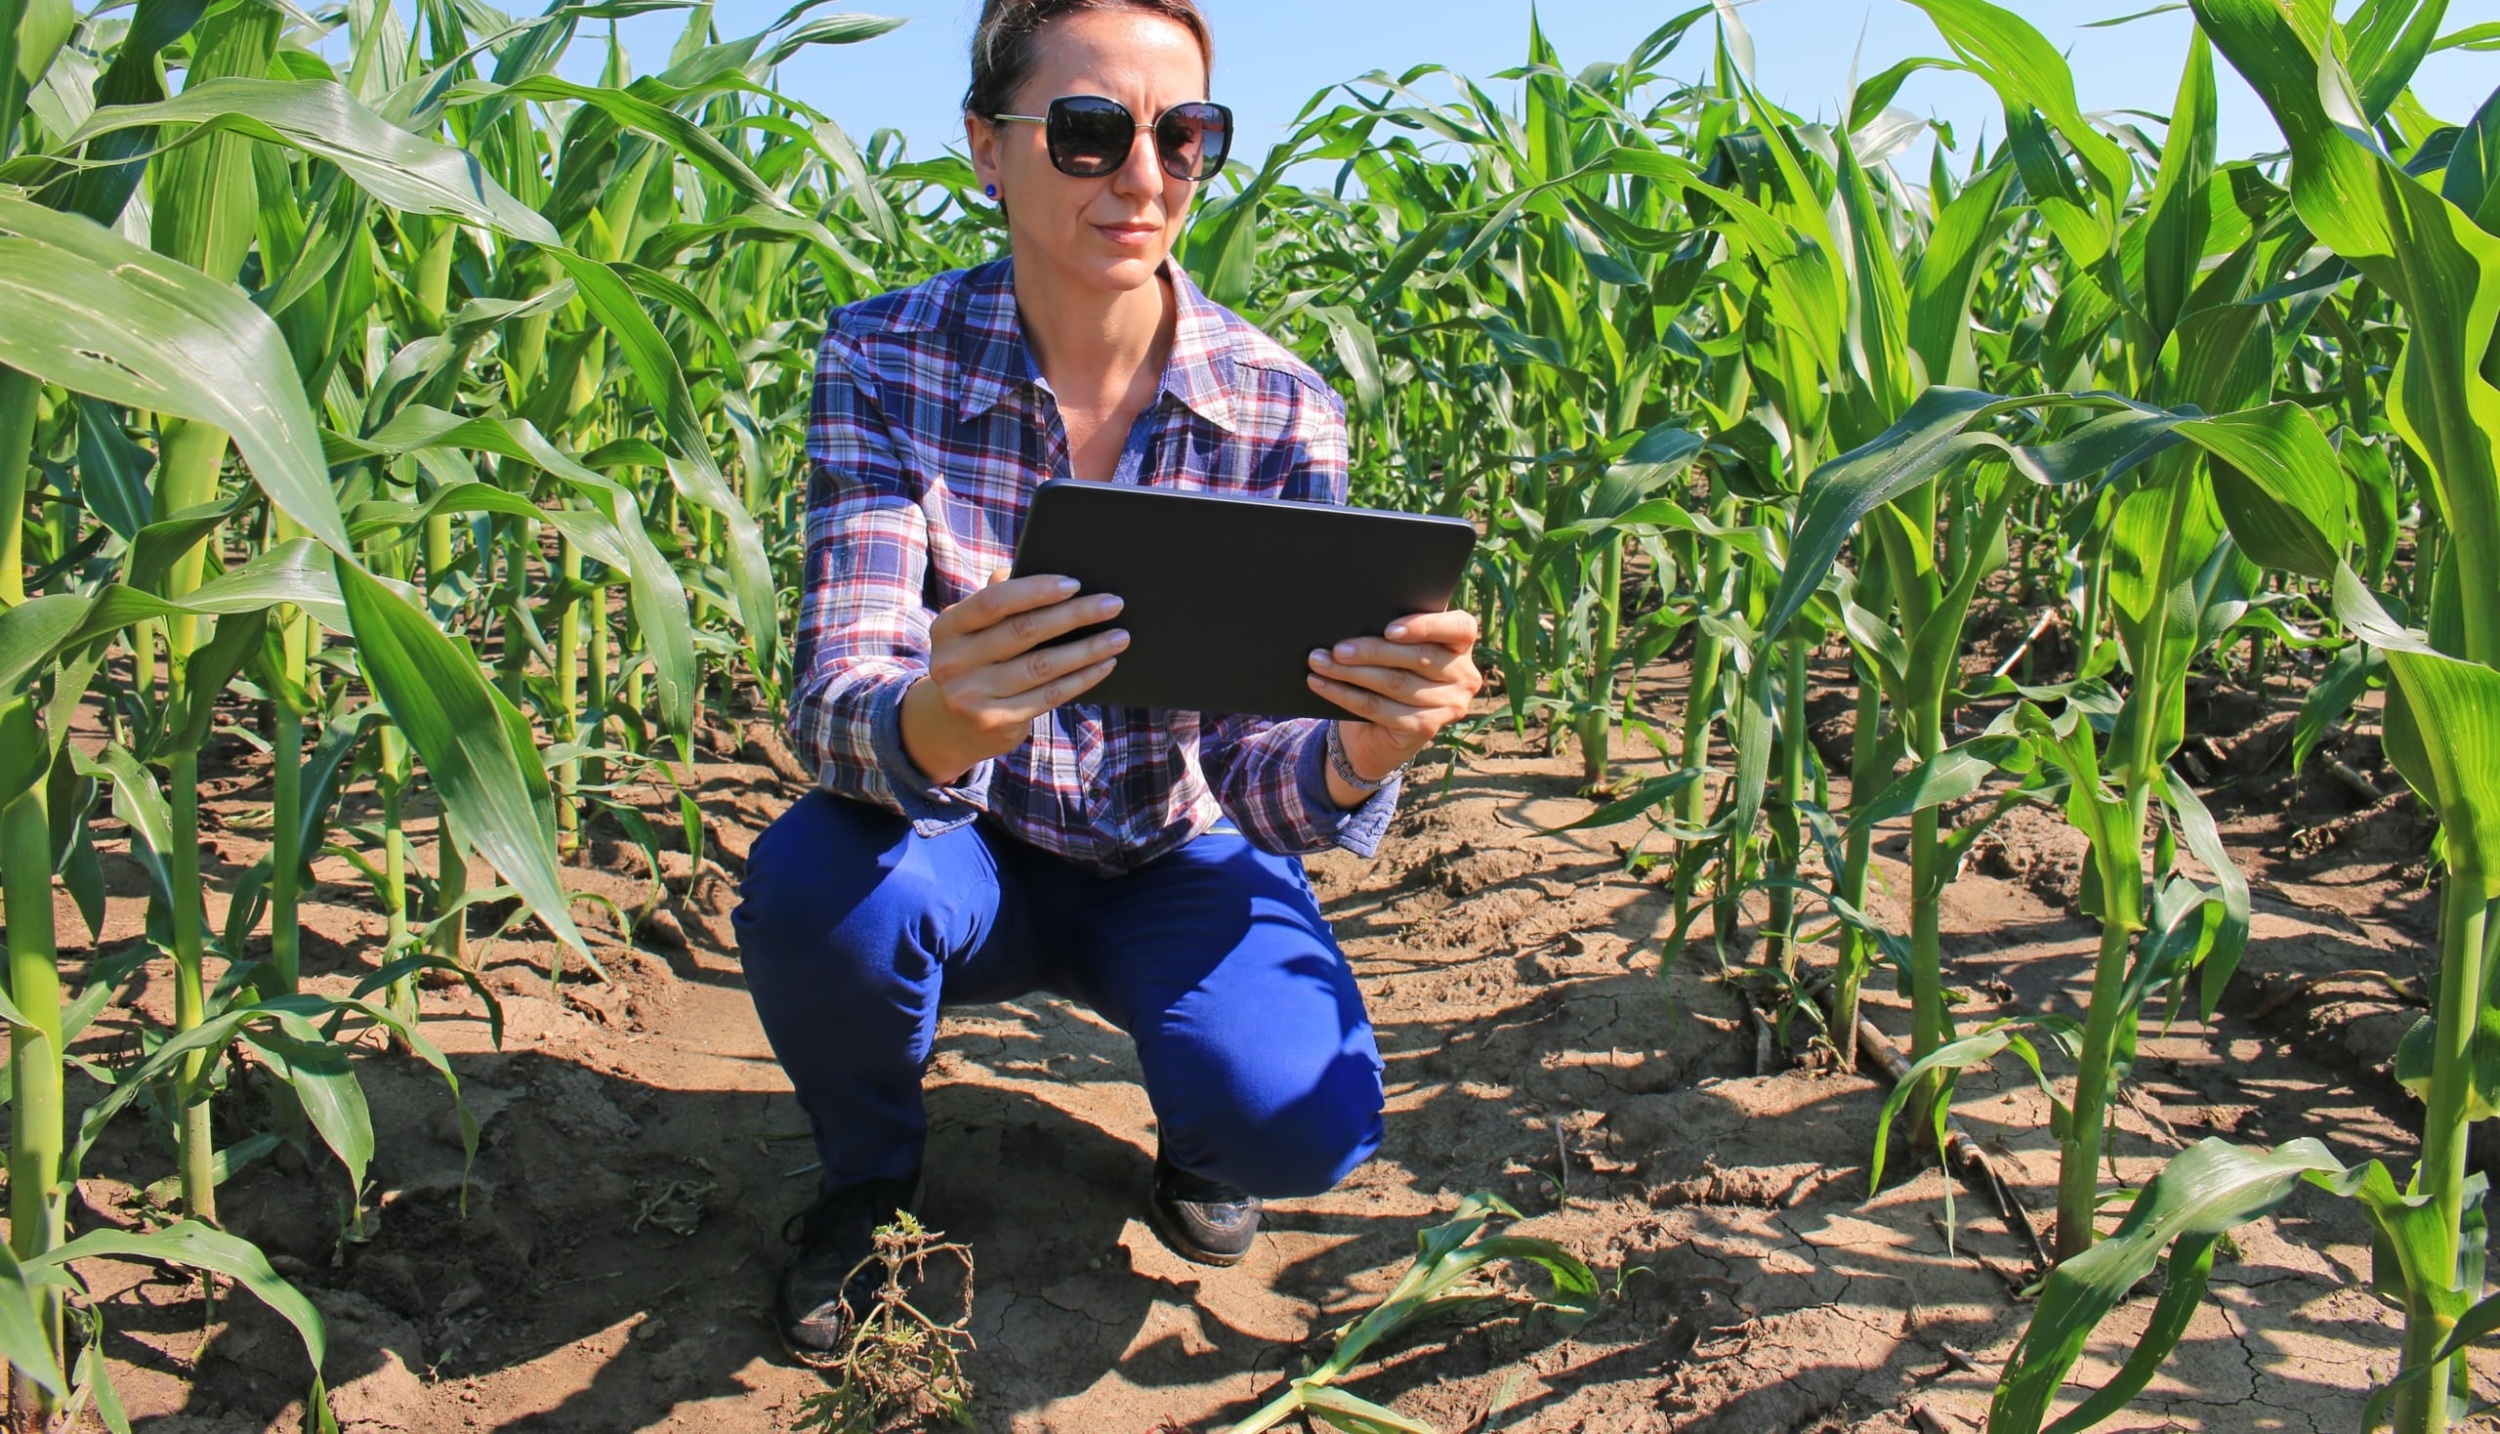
(1089, 135)
(1194, 139)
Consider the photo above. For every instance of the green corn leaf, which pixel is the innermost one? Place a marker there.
(2177, 216)
(325, 1085)
(203, 197)
(1928, 440)
(2230, 938)
(2033, 81)
(642, 108)
(1979, 1048)
(2423, 250)
(2332, 698)
(658, 596)
(1357, 354)
(2385, 43)
(22, 1339)
(112, 470)
(87, 309)
(1647, 797)
(40, 630)
(205, 674)
(2473, 179)
(1946, 276)
(212, 1034)
(138, 802)
(405, 171)
(2191, 1266)
(200, 1247)
(1879, 300)
(135, 77)
(1876, 91)
(2281, 487)
(2446, 738)
(33, 632)
(2211, 1187)
(489, 781)
(1949, 776)
(698, 475)
(2103, 816)
(1355, 1414)
(2416, 1061)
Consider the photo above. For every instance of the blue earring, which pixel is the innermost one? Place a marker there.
(990, 189)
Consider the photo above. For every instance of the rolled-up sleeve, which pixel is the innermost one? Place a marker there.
(863, 629)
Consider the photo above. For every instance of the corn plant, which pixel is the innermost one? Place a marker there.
(1446, 1280)
(2339, 93)
(390, 498)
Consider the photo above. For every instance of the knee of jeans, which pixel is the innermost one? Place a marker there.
(1280, 1134)
(820, 882)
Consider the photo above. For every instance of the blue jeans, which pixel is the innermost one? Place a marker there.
(1258, 1057)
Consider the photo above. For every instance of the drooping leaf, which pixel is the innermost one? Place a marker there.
(405, 171)
(83, 307)
(201, 1247)
(1932, 437)
(22, 1340)
(2208, 1189)
(2446, 741)
(2281, 488)
(436, 694)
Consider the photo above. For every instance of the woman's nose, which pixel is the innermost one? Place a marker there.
(1141, 176)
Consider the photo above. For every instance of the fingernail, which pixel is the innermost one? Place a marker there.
(1107, 605)
(1314, 679)
(1118, 638)
(1318, 656)
(1397, 631)
(1067, 585)
(1345, 652)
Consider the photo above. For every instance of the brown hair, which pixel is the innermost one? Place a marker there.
(1003, 44)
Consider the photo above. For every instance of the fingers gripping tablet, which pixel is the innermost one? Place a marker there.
(1224, 597)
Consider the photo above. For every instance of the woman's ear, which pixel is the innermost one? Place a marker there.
(981, 138)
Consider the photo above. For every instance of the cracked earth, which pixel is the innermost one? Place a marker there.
(612, 1268)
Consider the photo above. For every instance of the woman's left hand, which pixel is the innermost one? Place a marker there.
(1406, 685)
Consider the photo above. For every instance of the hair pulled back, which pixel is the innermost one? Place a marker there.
(1006, 42)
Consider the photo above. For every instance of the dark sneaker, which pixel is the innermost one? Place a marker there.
(812, 1306)
(1202, 1220)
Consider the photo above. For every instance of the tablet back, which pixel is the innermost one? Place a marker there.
(1226, 596)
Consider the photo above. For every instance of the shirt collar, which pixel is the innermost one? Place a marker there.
(997, 361)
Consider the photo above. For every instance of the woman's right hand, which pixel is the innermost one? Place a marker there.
(990, 674)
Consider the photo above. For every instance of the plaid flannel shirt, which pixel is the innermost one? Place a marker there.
(931, 428)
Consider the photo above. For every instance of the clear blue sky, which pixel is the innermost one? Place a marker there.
(1272, 55)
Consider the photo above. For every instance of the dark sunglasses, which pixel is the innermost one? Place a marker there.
(1090, 136)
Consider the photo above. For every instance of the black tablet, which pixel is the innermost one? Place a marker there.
(1224, 597)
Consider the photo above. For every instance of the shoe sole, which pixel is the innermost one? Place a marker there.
(815, 1359)
(1179, 1244)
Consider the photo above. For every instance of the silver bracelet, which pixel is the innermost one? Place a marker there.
(1343, 766)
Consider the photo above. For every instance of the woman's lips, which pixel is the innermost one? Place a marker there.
(1133, 236)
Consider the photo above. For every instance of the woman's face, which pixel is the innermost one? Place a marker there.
(1110, 232)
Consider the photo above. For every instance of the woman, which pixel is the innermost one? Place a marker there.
(979, 832)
